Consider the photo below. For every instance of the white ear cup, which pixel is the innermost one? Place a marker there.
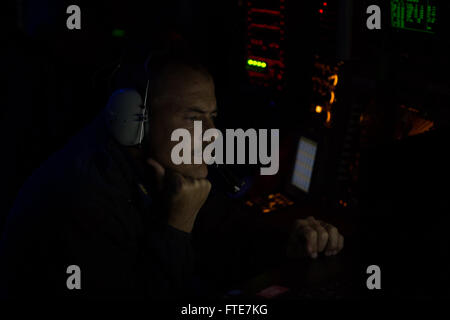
(125, 117)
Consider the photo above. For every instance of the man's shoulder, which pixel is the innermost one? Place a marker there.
(74, 176)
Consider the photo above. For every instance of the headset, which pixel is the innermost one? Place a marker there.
(127, 117)
(126, 114)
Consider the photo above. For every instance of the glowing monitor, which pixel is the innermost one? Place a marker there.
(416, 15)
(304, 164)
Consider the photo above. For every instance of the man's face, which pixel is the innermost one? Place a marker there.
(184, 95)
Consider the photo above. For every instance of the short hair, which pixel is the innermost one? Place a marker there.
(139, 65)
(158, 62)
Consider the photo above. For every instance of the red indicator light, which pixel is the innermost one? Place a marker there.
(264, 26)
(274, 12)
(324, 4)
(321, 11)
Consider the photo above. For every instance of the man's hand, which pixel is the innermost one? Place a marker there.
(310, 237)
(183, 196)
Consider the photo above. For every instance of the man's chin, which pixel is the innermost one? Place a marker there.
(196, 171)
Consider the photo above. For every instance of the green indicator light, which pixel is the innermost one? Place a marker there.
(260, 64)
(118, 33)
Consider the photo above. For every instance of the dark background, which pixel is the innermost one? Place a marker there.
(377, 163)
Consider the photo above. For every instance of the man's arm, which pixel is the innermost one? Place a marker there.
(127, 252)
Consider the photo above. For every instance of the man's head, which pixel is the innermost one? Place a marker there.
(181, 92)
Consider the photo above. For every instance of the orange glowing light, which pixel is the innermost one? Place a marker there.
(319, 109)
(328, 117)
(335, 78)
(332, 97)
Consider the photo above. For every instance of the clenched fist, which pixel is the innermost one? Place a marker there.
(183, 196)
(310, 237)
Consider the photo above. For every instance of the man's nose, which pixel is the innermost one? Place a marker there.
(209, 124)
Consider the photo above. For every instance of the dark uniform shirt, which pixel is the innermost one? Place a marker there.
(88, 206)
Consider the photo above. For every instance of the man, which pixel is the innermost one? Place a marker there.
(127, 216)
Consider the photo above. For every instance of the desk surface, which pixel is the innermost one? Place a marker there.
(341, 276)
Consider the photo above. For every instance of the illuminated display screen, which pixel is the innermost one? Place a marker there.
(304, 164)
(416, 15)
